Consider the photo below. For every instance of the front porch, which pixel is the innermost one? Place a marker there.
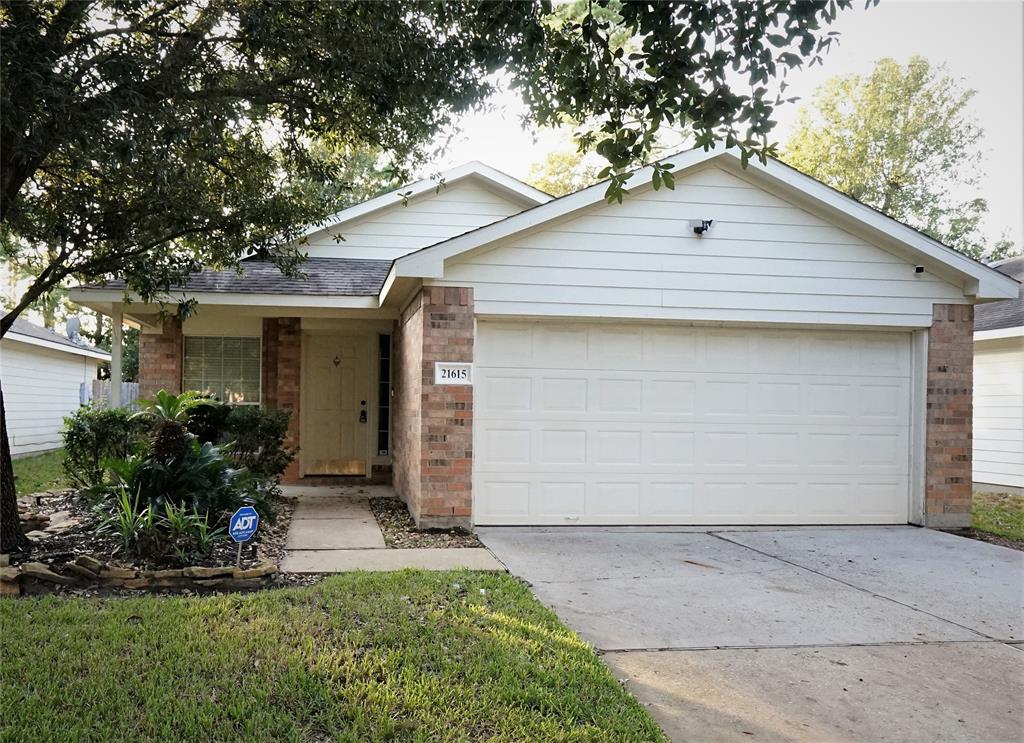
(358, 383)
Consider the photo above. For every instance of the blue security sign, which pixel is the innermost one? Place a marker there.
(243, 524)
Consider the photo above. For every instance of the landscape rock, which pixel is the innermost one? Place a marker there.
(9, 574)
(10, 588)
(89, 563)
(5, 560)
(35, 535)
(79, 570)
(257, 571)
(161, 574)
(114, 573)
(196, 571)
(40, 572)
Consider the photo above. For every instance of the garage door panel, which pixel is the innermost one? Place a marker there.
(601, 424)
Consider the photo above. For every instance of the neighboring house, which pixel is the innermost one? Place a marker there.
(751, 347)
(999, 389)
(41, 372)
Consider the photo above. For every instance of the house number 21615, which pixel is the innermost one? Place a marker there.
(452, 373)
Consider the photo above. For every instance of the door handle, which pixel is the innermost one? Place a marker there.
(362, 416)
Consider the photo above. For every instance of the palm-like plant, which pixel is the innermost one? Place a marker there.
(170, 413)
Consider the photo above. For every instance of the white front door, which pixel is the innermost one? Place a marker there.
(335, 396)
(589, 423)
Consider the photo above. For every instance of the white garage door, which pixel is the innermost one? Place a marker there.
(648, 424)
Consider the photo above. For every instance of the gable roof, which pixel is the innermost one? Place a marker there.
(976, 278)
(24, 331)
(1003, 315)
(503, 183)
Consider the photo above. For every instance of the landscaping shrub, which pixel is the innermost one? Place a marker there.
(258, 435)
(149, 531)
(93, 435)
(209, 422)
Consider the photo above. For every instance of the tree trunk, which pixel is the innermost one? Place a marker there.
(12, 540)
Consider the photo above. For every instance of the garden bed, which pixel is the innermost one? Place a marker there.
(63, 530)
(400, 532)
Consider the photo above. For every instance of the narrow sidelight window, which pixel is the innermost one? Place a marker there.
(384, 396)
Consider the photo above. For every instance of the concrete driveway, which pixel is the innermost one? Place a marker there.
(795, 634)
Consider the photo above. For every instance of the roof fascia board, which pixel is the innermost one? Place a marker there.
(989, 335)
(54, 346)
(502, 182)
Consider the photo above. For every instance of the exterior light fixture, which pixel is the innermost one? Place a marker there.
(700, 226)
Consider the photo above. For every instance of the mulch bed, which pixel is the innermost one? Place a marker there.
(984, 536)
(400, 530)
(56, 549)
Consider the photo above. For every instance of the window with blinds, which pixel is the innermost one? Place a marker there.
(228, 368)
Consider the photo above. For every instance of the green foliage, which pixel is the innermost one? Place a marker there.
(170, 413)
(201, 477)
(146, 531)
(135, 131)
(402, 656)
(1001, 514)
(563, 172)
(257, 435)
(93, 435)
(901, 140)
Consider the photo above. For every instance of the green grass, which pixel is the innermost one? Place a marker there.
(360, 657)
(40, 472)
(999, 513)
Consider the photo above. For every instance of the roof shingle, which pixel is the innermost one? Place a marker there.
(1006, 314)
(346, 277)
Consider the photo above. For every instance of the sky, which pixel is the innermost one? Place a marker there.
(981, 42)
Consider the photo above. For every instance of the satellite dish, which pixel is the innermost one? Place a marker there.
(72, 326)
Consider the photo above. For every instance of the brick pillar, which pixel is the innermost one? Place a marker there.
(434, 423)
(160, 359)
(948, 485)
(281, 376)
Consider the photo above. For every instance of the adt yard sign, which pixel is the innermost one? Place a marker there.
(243, 524)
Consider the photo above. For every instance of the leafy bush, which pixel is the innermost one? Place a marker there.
(208, 422)
(93, 435)
(200, 477)
(258, 435)
(170, 414)
(145, 530)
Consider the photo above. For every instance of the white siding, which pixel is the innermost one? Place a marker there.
(40, 388)
(430, 218)
(999, 412)
(764, 260)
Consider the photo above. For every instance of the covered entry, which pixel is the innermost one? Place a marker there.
(591, 423)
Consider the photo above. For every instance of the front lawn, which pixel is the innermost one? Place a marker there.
(40, 472)
(360, 657)
(1001, 514)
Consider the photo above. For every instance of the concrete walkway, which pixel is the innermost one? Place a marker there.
(333, 530)
(799, 634)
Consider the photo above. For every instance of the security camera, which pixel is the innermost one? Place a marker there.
(700, 226)
(918, 269)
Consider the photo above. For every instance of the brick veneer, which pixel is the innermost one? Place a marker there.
(160, 359)
(281, 376)
(948, 486)
(434, 423)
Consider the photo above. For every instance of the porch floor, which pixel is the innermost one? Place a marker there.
(333, 530)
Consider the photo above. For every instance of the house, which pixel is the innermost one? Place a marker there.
(999, 389)
(752, 347)
(41, 373)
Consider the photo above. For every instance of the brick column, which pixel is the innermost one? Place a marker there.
(160, 359)
(948, 485)
(281, 376)
(434, 423)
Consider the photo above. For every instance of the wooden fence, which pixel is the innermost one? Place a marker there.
(97, 392)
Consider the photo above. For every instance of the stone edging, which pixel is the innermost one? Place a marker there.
(89, 570)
